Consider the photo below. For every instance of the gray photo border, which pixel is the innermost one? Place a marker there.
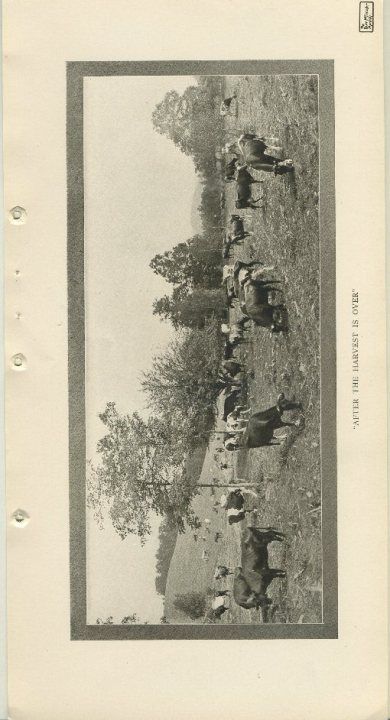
(79, 630)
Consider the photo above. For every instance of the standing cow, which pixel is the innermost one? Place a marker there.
(253, 577)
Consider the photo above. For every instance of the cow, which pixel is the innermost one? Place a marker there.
(234, 504)
(235, 331)
(253, 577)
(229, 243)
(229, 402)
(230, 169)
(256, 154)
(222, 571)
(262, 424)
(244, 181)
(238, 231)
(231, 367)
(255, 306)
(225, 107)
(242, 272)
(237, 419)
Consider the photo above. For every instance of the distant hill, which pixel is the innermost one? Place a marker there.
(187, 571)
(168, 535)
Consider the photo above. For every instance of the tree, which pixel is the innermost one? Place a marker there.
(194, 262)
(192, 122)
(140, 471)
(192, 309)
(181, 383)
(192, 604)
(130, 619)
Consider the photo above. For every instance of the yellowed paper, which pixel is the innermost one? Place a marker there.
(59, 666)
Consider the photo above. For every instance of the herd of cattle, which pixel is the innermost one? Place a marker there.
(248, 286)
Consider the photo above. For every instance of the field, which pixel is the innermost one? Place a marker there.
(287, 478)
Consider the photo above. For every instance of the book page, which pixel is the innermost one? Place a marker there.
(195, 360)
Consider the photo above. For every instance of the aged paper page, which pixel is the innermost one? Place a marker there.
(195, 360)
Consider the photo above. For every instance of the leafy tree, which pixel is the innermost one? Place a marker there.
(191, 310)
(130, 619)
(194, 262)
(107, 621)
(192, 122)
(192, 604)
(181, 382)
(140, 471)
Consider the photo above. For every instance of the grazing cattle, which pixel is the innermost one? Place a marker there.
(222, 571)
(230, 169)
(232, 367)
(244, 182)
(218, 606)
(229, 402)
(224, 466)
(262, 425)
(228, 349)
(256, 307)
(256, 154)
(233, 442)
(253, 577)
(235, 331)
(226, 105)
(236, 235)
(234, 504)
(229, 243)
(255, 270)
(237, 419)
(237, 225)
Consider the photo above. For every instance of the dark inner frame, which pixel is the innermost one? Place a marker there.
(76, 71)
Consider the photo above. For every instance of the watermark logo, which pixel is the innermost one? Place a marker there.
(366, 17)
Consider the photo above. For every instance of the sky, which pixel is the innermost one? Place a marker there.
(139, 190)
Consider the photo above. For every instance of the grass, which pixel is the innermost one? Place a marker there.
(286, 234)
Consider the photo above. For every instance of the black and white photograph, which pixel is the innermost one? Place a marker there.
(202, 351)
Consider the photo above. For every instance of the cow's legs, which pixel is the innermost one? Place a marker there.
(285, 405)
(275, 572)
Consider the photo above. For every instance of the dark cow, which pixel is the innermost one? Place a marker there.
(244, 182)
(230, 169)
(253, 149)
(232, 367)
(255, 305)
(262, 425)
(253, 578)
(237, 228)
(230, 402)
(230, 243)
(236, 236)
(222, 571)
(225, 106)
